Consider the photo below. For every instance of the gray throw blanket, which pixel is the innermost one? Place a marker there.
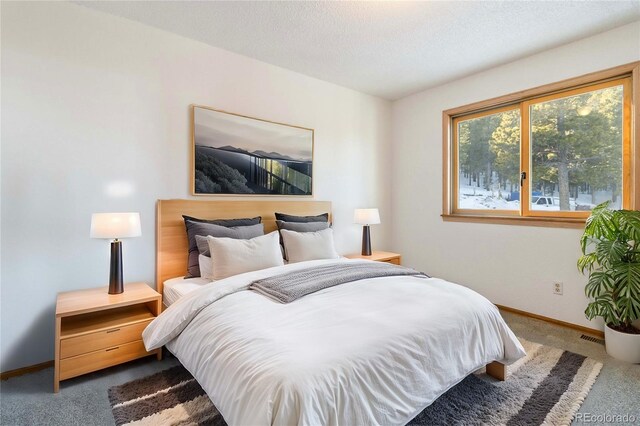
(291, 286)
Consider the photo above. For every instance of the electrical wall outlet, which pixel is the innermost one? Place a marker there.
(557, 288)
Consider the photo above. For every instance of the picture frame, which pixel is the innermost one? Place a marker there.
(234, 154)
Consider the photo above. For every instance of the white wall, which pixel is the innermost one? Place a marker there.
(511, 265)
(93, 105)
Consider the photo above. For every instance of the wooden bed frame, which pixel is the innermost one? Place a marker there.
(171, 236)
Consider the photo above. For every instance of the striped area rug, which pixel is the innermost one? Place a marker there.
(545, 387)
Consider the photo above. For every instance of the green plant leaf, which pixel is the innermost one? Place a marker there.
(629, 221)
(601, 222)
(599, 283)
(627, 278)
(587, 262)
(609, 252)
(586, 242)
(603, 306)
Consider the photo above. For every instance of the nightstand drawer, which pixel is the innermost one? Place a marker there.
(90, 342)
(81, 364)
(395, 261)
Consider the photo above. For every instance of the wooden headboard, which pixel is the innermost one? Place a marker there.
(171, 236)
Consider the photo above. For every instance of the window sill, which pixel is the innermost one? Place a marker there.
(549, 222)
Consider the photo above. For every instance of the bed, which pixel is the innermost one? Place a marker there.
(175, 288)
(372, 351)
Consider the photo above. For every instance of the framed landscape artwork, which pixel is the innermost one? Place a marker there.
(238, 155)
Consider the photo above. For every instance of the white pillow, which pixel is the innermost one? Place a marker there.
(206, 266)
(301, 246)
(231, 256)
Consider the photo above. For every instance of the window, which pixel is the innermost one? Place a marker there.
(547, 156)
(488, 161)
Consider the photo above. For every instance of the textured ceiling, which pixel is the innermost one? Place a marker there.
(387, 49)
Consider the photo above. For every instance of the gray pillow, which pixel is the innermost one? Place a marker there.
(302, 226)
(226, 222)
(199, 227)
(235, 232)
(324, 217)
(298, 227)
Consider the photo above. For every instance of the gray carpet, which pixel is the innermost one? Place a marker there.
(28, 400)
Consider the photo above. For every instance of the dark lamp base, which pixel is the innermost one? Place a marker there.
(116, 284)
(366, 241)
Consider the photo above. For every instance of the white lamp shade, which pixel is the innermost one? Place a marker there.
(366, 216)
(115, 225)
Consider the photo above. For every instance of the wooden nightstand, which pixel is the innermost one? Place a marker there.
(95, 330)
(379, 256)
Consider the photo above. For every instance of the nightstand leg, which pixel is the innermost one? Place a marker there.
(56, 366)
(158, 312)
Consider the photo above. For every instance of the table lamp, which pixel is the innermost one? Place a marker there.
(113, 226)
(366, 217)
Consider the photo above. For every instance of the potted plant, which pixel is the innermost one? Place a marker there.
(611, 256)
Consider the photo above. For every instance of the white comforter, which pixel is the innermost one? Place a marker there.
(374, 351)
